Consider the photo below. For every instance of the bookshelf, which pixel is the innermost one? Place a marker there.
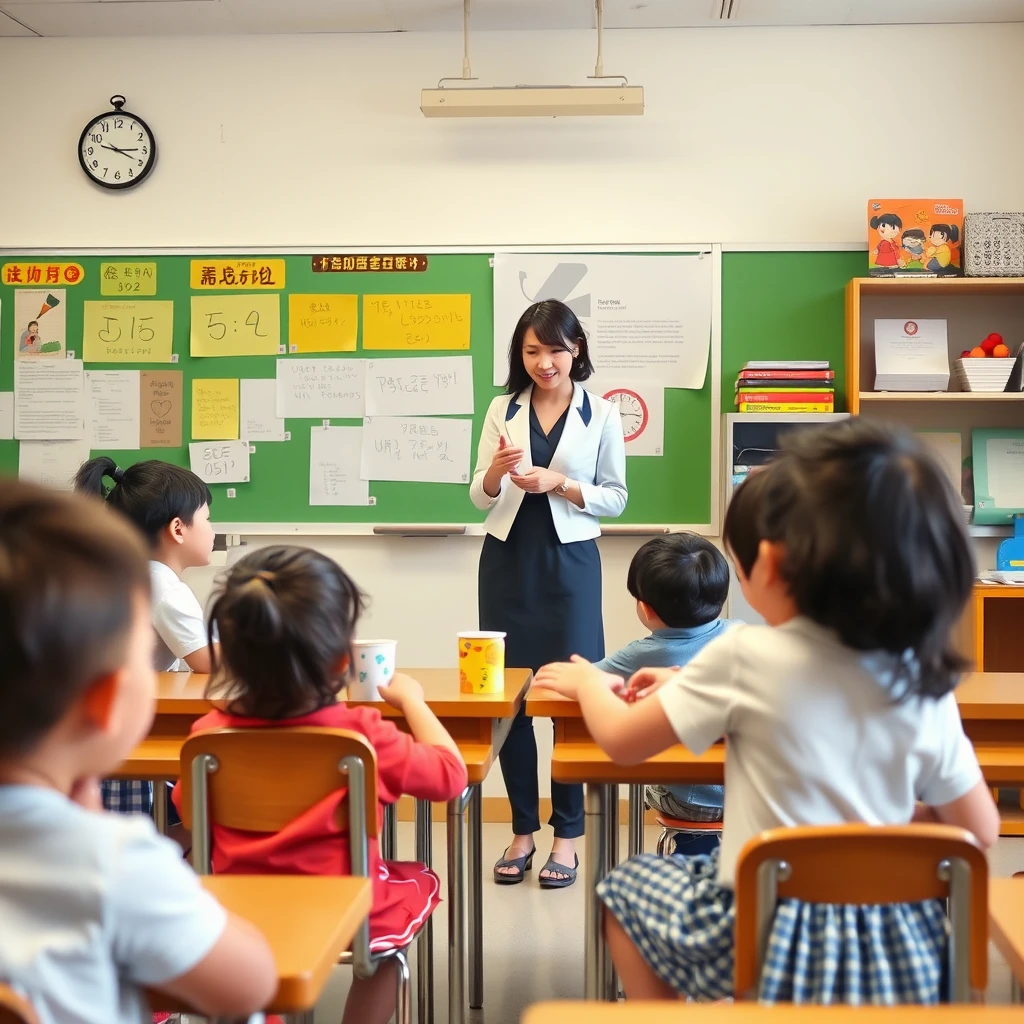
(993, 624)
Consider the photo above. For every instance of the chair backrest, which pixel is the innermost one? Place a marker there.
(14, 1009)
(865, 864)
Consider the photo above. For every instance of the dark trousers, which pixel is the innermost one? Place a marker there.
(518, 759)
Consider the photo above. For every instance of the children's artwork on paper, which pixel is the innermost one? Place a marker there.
(39, 328)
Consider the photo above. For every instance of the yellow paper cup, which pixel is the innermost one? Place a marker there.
(482, 662)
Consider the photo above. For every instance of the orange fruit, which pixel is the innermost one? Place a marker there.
(977, 352)
(1000, 351)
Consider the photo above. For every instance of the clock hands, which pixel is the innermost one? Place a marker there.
(124, 152)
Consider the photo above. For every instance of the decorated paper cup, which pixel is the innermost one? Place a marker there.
(373, 665)
(482, 662)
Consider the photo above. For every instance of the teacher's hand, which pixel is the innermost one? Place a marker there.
(537, 480)
(506, 458)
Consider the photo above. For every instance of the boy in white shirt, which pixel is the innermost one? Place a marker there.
(94, 907)
(171, 506)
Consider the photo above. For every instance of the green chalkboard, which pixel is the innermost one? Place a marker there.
(775, 305)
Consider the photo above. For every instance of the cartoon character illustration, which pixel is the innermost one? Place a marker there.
(886, 253)
(913, 249)
(30, 342)
(938, 256)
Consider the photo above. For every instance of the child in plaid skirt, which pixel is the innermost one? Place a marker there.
(852, 546)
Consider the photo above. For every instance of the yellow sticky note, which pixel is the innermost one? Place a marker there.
(236, 325)
(410, 322)
(128, 332)
(215, 409)
(130, 278)
(322, 323)
(241, 274)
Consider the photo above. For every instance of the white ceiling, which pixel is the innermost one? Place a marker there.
(215, 17)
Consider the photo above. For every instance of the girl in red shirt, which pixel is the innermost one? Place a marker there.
(286, 617)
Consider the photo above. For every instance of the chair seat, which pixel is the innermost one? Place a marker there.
(681, 825)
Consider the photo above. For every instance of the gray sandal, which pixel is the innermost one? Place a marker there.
(563, 869)
(521, 864)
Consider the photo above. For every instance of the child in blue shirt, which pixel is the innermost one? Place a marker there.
(680, 582)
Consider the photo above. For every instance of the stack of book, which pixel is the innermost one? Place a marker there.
(796, 385)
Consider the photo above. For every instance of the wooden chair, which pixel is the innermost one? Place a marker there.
(864, 864)
(234, 777)
(14, 1009)
(672, 827)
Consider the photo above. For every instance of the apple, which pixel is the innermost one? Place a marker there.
(966, 354)
(996, 336)
(990, 343)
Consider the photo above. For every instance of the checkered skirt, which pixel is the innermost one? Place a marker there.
(682, 922)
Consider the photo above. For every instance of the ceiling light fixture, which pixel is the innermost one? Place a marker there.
(533, 100)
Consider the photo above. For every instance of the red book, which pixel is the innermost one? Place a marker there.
(787, 374)
(814, 397)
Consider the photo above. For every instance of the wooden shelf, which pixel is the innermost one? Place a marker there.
(989, 531)
(942, 396)
(940, 285)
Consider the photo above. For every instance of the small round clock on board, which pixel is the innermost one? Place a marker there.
(117, 149)
(633, 410)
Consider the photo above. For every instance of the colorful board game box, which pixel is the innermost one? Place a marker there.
(915, 237)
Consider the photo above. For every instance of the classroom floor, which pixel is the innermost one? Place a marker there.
(533, 939)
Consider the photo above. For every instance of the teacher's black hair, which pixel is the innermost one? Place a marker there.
(286, 617)
(152, 494)
(556, 326)
(873, 545)
(682, 578)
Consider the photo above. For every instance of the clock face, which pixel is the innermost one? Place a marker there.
(117, 149)
(632, 410)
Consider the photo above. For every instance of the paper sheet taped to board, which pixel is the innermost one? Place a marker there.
(422, 449)
(410, 322)
(432, 385)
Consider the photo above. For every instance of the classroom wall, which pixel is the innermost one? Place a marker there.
(752, 137)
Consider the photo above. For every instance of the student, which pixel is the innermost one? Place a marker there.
(286, 618)
(938, 254)
(94, 907)
(171, 506)
(680, 583)
(839, 709)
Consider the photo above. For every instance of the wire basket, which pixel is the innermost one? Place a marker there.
(994, 245)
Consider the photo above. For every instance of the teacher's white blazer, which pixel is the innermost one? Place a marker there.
(591, 451)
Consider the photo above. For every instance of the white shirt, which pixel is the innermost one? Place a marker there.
(813, 737)
(177, 619)
(94, 907)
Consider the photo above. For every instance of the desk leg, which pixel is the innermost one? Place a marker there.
(457, 909)
(1015, 991)
(596, 805)
(611, 821)
(636, 820)
(160, 806)
(425, 942)
(474, 859)
(389, 838)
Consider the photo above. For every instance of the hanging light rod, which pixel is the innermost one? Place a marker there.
(533, 100)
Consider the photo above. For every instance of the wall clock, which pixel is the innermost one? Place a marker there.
(633, 410)
(117, 150)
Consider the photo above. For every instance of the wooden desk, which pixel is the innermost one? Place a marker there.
(755, 1013)
(478, 723)
(308, 921)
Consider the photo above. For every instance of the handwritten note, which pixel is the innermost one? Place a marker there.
(128, 332)
(128, 278)
(259, 406)
(420, 449)
(415, 322)
(334, 454)
(215, 409)
(419, 387)
(220, 462)
(49, 400)
(248, 273)
(235, 325)
(322, 323)
(52, 463)
(113, 409)
(6, 415)
(320, 388)
(160, 407)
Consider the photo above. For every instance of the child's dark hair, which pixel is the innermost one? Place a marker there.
(914, 233)
(889, 220)
(69, 573)
(874, 545)
(286, 618)
(31, 322)
(151, 494)
(682, 577)
(949, 232)
(556, 326)
(742, 531)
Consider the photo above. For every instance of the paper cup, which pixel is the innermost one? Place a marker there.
(482, 662)
(373, 665)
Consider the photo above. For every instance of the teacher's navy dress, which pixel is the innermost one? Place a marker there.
(546, 596)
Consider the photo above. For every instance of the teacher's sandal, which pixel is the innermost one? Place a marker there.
(563, 869)
(521, 864)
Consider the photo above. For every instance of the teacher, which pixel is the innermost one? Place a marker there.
(551, 460)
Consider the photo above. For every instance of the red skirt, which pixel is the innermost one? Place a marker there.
(405, 894)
